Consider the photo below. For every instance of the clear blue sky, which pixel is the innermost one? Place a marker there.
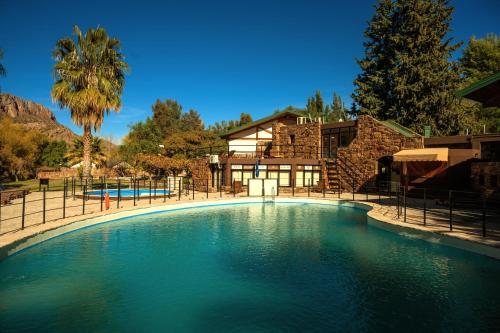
(218, 57)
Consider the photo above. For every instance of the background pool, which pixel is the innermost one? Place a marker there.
(130, 192)
(247, 268)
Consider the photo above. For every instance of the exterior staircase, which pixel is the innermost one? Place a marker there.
(333, 176)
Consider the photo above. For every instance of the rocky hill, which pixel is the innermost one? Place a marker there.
(34, 116)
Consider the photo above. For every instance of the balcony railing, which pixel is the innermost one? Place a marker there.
(263, 151)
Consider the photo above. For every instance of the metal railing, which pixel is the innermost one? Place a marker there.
(445, 210)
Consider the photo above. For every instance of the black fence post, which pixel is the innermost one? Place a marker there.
(293, 187)
(450, 202)
(425, 206)
(102, 193)
(404, 202)
(135, 190)
(119, 193)
(193, 189)
(65, 193)
(207, 186)
(379, 197)
(180, 189)
(83, 199)
(324, 188)
(484, 216)
(150, 192)
(309, 188)
(168, 185)
(234, 188)
(24, 209)
(73, 187)
(164, 190)
(353, 187)
(156, 185)
(43, 203)
(397, 201)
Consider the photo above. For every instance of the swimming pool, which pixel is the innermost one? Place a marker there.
(252, 267)
(130, 192)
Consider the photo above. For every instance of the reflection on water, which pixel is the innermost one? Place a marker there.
(272, 267)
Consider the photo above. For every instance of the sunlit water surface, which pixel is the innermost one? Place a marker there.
(247, 268)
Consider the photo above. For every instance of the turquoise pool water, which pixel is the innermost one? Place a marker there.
(130, 192)
(247, 268)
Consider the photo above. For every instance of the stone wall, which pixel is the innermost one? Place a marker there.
(201, 173)
(307, 140)
(72, 172)
(373, 141)
(486, 176)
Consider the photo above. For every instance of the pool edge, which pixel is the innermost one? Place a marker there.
(373, 218)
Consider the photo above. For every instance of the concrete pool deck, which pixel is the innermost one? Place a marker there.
(379, 215)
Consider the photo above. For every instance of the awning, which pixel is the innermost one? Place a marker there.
(424, 154)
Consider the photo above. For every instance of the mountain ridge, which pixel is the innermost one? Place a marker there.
(34, 116)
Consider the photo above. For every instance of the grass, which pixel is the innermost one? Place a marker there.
(54, 184)
(32, 184)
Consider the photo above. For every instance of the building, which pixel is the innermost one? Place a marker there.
(301, 152)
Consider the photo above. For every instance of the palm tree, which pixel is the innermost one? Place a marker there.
(89, 79)
(97, 156)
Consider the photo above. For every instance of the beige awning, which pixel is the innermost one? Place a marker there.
(424, 154)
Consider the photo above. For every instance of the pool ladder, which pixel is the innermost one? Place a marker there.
(270, 198)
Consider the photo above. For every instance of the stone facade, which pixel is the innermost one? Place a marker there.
(486, 176)
(296, 141)
(373, 141)
(202, 175)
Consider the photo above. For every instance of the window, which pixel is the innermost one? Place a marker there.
(236, 176)
(284, 178)
(336, 137)
(307, 175)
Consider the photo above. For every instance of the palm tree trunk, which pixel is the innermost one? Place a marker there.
(87, 150)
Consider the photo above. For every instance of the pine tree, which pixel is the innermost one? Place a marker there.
(406, 73)
(373, 84)
(318, 100)
(339, 112)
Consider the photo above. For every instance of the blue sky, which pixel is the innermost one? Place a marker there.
(220, 58)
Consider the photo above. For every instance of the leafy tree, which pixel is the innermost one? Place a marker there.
(245, 118)
(53, 154)
(76, 153)
(406, 74)
(226, 125)
(89, 79)
(166, 116)
(223, 126)
(19, 150)
(480, 59)
(191, 121)
(143, 137)
(159, 164)
(193, 144)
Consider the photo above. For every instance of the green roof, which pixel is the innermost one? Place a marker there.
(261, 121)
(399, 128)
(485, 91)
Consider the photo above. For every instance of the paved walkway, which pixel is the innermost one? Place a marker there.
(466, 225)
